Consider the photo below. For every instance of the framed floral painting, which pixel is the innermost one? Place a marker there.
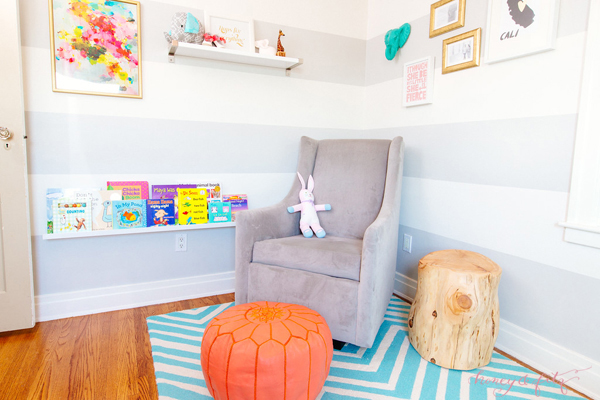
(96, 47)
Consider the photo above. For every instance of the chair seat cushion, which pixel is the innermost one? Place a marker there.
(333, 256)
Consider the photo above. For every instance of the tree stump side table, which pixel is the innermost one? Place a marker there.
(453, 321)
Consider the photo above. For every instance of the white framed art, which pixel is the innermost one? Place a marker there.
(418, 82)
(518, 28)
(238, 33)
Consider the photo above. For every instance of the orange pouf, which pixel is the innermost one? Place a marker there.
(266, 351)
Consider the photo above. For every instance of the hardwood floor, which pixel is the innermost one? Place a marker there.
(100, 356)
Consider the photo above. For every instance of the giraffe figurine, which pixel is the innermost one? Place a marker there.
(280, 49)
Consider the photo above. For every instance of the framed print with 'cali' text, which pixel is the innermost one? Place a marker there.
(518, 28)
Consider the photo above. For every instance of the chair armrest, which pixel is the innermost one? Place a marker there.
(380, 249)
(269, 222)
(255, 225)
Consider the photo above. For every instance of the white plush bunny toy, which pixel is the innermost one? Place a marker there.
(308, 210)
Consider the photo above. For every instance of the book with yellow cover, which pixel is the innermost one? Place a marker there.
(193, 206)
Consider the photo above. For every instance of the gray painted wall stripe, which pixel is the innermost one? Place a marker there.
(537, 297)
(572, 19)
(532, 153)
(62, 266)
(81, 144)
(327, 57)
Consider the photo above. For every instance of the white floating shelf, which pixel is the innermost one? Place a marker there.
(234, 56)
(134, 231)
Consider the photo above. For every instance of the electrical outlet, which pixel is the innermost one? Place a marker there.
(181, 242)
(407, 245)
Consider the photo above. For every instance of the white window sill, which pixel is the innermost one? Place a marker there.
(581, 234)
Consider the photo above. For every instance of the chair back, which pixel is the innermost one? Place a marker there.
(350, 175)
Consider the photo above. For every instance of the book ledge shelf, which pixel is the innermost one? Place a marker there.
(220, 54)
(134, 231)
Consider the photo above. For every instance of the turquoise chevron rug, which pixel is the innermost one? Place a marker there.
(391, 369)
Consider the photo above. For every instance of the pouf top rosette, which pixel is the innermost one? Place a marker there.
(266, 350)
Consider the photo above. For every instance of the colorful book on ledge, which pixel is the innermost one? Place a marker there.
(193, 206)
(161, 212)
(239, 202)
(219, 211)
(170, 192)
(213, 190)
(102, 209)
(72, 215)
(75, 195)
(52, 194)
(129, 214)
(132, 190)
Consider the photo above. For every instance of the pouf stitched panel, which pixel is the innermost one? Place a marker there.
(266, 351)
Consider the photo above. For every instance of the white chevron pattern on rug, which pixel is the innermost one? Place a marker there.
(391, 369)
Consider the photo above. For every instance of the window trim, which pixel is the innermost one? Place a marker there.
(583, 216)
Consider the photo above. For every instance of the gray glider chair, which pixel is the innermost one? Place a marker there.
(347, 276)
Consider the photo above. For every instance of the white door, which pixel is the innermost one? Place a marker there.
(16, 284)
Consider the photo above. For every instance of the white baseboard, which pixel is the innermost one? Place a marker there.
(550, 358)
(533, 349)
(71, 304)
(405, 286)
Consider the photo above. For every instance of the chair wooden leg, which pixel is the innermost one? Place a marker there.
(337, 345)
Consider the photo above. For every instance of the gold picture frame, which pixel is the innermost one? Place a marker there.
(96, 47)
(462, 51)
(445, 16)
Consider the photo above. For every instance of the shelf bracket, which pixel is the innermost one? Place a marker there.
(288, 70)
(172, 49)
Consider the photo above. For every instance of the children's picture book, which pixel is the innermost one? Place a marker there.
(129, 214)
(170, 192)
(219, 211)
(102, 209)
(75, 194)
(160, 212)
(239, 202)
(192, 206)
(72, 215)
(132, 190)
(52, 194)
(213, 190)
